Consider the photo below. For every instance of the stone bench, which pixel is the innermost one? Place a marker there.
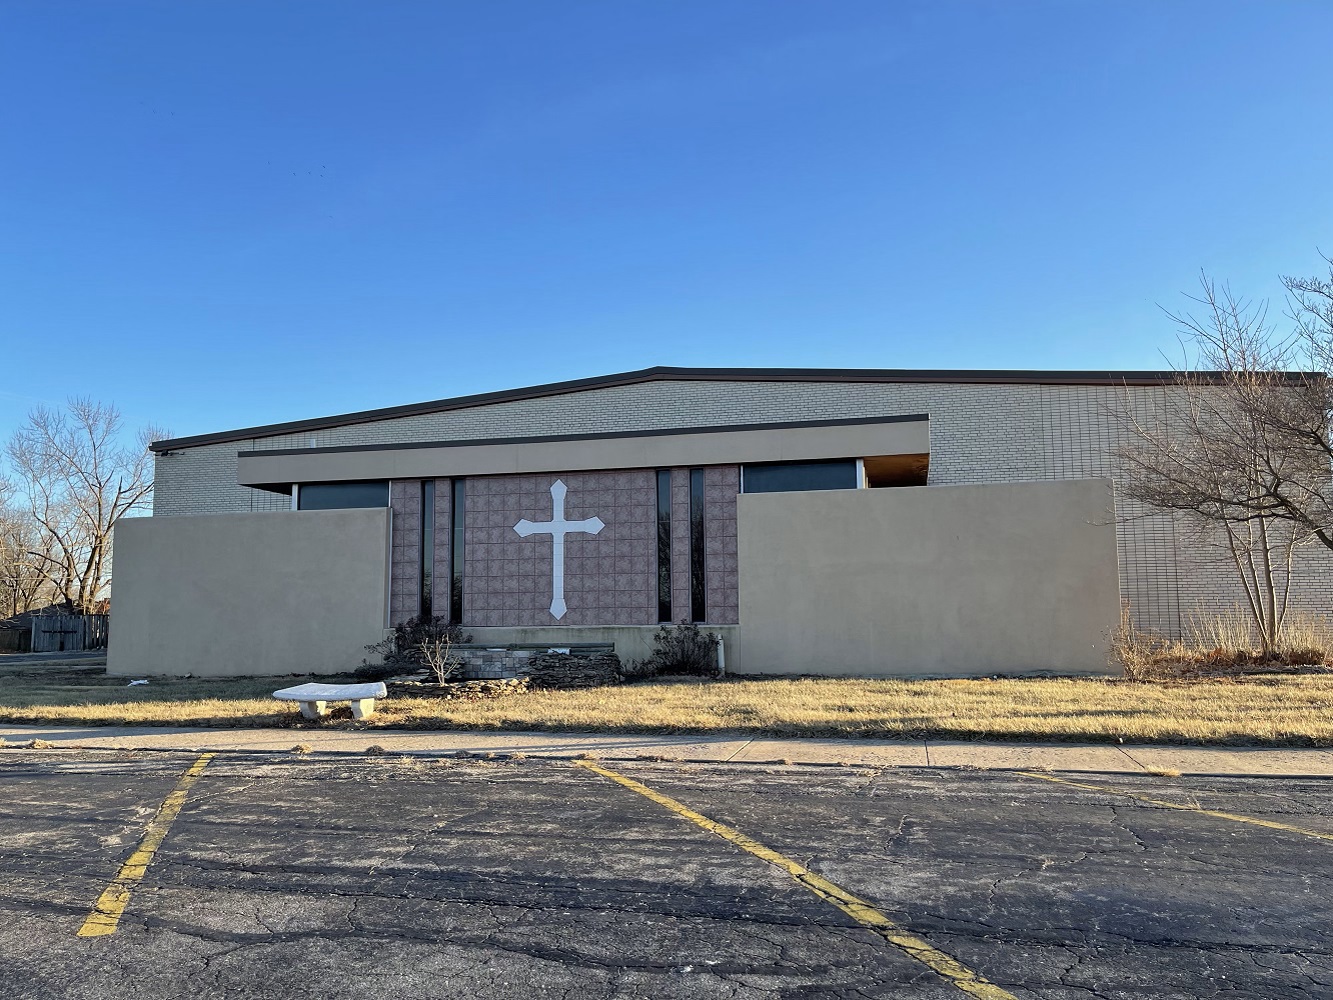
(314, 698)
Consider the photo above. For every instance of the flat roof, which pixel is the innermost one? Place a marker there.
(666, 374)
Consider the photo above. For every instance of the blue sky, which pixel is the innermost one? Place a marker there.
(217, 214)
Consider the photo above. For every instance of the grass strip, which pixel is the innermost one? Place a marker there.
(1252, 711)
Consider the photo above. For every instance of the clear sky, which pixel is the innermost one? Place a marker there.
(223, 213)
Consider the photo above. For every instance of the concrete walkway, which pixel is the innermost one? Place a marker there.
(1100, 758)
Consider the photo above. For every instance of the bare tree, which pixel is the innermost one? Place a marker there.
(1241, 450)
(23, 586)
(76, 478)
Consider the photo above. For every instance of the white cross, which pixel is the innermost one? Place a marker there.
(557, 527)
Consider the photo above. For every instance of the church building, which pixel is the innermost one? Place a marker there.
(841, 522)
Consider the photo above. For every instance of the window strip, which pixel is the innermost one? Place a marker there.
(427, 557)
(698, 607)
(456, 554)
(664, 545)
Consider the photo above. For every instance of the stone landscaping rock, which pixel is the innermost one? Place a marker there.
(486, 690)
(567, 671)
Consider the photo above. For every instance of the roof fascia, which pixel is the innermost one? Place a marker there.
(664, 374)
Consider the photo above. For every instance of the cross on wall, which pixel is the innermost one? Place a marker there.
(557, 527)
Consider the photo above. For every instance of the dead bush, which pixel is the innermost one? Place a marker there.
(682, 649)
(1222, 643)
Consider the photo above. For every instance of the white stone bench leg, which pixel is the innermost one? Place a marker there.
(363, 707)
(314, 709)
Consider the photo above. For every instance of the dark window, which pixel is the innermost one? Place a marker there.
(338, 496)
(664, 545)
(427, 544)
(698, 607)
(456, 556)
(790, 477)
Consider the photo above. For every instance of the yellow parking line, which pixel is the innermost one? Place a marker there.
(105, 915)
(1235, 817)
(858, 909)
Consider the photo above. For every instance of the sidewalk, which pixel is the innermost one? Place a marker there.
(1098, 758)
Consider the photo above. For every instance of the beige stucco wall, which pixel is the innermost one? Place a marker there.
(271, 593)
(935, 580)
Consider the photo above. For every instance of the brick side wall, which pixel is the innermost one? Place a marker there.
(610, 577)
(979, 433)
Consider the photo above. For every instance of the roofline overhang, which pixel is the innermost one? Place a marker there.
(945, 376)
(729, 444)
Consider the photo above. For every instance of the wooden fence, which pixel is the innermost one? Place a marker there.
(63, 633)
(15, 640)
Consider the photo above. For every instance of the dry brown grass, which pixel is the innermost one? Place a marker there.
(1289, 711)
(1222, 644)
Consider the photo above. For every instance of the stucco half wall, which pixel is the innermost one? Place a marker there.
(929, 581)
(271, 593)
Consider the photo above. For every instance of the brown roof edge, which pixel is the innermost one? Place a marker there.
(666, 374)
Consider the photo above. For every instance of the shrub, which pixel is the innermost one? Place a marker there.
(683, 649)
(1220, 643)
(420, 642)
(376, 671)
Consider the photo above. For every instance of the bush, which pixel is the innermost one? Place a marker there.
(682, 649)
(1220, 644)
(409, 646)
(376, 671)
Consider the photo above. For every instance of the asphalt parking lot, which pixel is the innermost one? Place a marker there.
(345, 876)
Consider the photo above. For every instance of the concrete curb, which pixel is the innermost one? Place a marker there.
(328, 755)
(1137, 760)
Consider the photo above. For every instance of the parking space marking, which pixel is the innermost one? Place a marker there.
(858, 909)
(1271, 824)
(106, 912)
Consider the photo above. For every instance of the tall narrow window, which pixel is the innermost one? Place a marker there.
(664, 545)
(698, 608)
(456, 556)
(427, 544)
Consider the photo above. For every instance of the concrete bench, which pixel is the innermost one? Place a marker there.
(314, 698)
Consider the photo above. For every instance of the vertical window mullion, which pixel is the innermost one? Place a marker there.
(698, 592)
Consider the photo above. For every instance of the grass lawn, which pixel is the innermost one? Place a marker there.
(1285, 711)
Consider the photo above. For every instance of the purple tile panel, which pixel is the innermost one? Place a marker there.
(721, 590)
(441, 571)
(610, 577)
(405, 556)
(680, 545)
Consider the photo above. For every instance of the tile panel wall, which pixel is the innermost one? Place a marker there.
(610, 577)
